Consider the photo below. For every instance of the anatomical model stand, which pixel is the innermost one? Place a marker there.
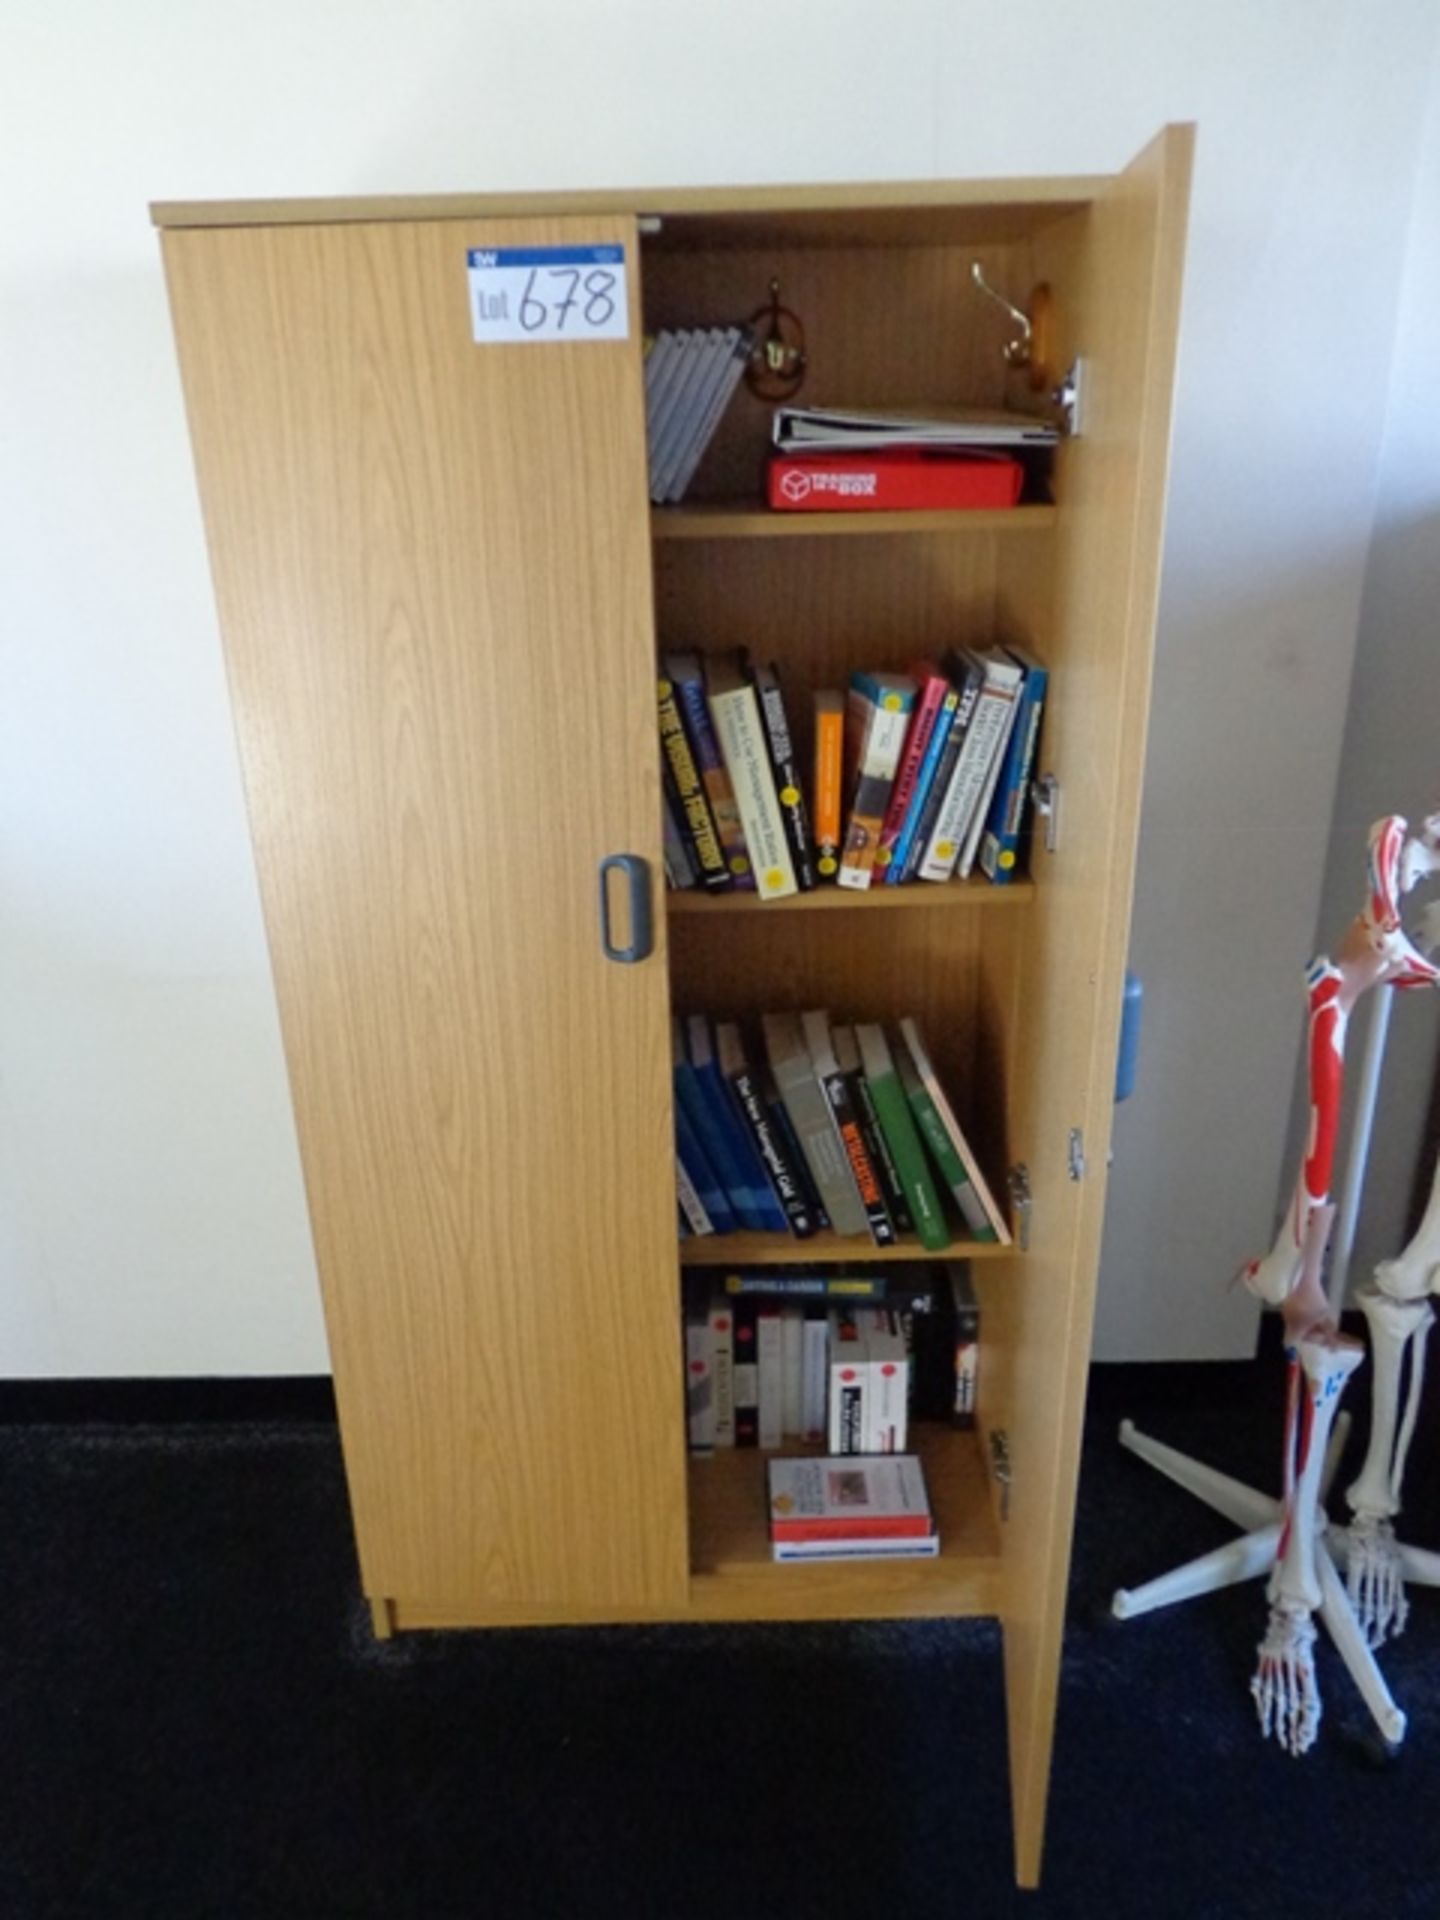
(1287, 1538)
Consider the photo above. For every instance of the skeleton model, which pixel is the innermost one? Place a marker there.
(1288, 1537)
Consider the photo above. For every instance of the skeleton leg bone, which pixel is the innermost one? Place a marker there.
(1285, 1688)
(1373, 1567)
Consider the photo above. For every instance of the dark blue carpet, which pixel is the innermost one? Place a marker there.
(194, 1720)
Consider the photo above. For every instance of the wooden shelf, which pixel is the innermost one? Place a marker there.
(822, 1249)
(975, 892)
(747, 520)
(734, 1578)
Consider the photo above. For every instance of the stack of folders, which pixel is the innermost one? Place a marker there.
(826, 460)
(820, 1125)
(922, 775)
(848, 1509)
(690, 375)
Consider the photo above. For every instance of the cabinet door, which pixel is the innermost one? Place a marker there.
(432, 565)
(1116, 271)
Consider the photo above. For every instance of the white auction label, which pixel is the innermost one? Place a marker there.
(548, 294)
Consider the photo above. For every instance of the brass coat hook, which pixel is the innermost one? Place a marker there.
(1030, 347)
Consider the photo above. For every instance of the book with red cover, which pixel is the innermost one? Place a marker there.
(895, 480)
(845, 1498)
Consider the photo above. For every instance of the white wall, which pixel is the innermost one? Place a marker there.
(1391, 759)
(151, 1216)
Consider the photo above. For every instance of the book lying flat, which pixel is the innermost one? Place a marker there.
(828, 1550)
(838, 430)
(849, 1500)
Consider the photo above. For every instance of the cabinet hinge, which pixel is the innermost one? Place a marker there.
(1021, 1203)
(1069, 397)
(1077, 1154)
(1000, 1467)
(1045, 798)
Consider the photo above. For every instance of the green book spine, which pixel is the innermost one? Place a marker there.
(952, 1168)
(921, 1194)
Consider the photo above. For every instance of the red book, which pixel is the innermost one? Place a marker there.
(896, 479)
(931, 688)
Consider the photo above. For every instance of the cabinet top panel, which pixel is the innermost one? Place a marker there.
(874, 213)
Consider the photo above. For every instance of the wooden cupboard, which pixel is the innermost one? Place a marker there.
(441, 590)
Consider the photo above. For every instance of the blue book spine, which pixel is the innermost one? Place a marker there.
(755, 1188)
(691, 1097)
(702, 1175)
(895, 872)
(1000, 843)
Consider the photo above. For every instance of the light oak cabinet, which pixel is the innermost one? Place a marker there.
(441, 590)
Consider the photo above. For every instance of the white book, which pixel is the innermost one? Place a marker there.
(809, 429)
(887, 1381)
(714, 360)
(691, 1205)
(925, 1548)
(849, 1386)
(997, 761)
(792, 1362)
(989, 723)
(816, 1377)
(770, 1365)
(722, 1367)
(735, 710)
(699, 1382)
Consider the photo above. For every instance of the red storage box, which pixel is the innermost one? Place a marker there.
(896, 479)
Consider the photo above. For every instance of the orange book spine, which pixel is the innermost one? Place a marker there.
(829, 763)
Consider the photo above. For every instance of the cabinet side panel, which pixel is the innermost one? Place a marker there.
(1116, 272)
(432, 567)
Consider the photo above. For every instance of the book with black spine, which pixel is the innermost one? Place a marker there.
(745, 1373)
(847, 1052)
(833, 1084)
(789, 787)
(695, 812)
(789, 1139)
(744, 1084)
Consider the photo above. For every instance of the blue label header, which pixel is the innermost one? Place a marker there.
(547, 256)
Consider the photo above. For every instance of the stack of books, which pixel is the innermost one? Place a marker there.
(690, 375)
(826, 460)
(821, 1125)
(916, 776)
(849, 1509)
(829, 1358)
